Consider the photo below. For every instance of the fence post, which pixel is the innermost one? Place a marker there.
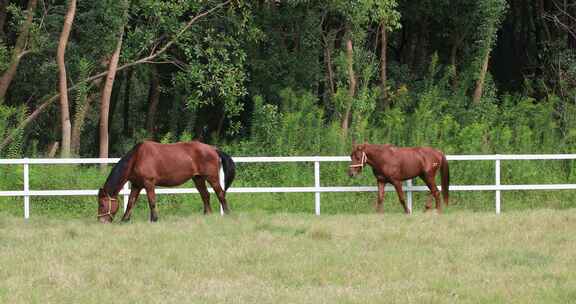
(497, 176)
(409, 195)
(317, 185)
(222, 185)
(126, 190)
(26, 189)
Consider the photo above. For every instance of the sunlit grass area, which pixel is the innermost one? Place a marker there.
(256, 257)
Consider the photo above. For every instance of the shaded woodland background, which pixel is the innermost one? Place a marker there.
(287, 77)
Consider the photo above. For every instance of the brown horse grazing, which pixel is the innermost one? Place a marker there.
(393, 165)
(150, 164)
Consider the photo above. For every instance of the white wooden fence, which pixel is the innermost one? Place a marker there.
(26, 193)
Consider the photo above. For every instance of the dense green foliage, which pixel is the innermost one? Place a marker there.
(241, 70)
(281, 78)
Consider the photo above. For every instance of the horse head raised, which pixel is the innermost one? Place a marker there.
(359, 159)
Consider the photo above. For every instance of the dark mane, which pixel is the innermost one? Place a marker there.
(112, 185)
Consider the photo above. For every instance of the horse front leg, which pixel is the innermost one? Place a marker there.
(151, 193)
(381, 194)
(134, 193)
(398, 186)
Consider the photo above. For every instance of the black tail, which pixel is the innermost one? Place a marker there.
(445, 178)
(229, 169)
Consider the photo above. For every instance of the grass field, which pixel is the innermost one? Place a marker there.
(460, 257)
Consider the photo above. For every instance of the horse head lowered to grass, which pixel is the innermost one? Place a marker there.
(391, 164)
(150, 164)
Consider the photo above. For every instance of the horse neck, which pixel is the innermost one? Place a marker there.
(372, 151)
(115, 183)
(369, 154)
(113, 190)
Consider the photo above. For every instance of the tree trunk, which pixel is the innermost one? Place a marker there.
(480, 82)
(114, 97)
(541, 17)
(220, 125)
(126, 109)
(328, 48)
(105, 98)
(351, 83)
(63, 86)
(47, 102)
(454, 60)
(407, 44)
(412, 48)
(19, 50)
(571, 16)
(153, 99)
(421, 58)
(453, 54)
(3, 6)
(52, 149)
(383, 64)
(329, 86)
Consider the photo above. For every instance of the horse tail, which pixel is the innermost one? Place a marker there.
(445, 178)
(229, 168)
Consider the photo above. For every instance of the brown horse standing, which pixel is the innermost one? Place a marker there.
(391, 164)
(150, 164)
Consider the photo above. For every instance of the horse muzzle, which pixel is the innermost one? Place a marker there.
(352, 172)
(105, 219)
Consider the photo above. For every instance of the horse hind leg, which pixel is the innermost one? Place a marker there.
(215, 183)
(429, 180)
(429, 198)
(200, 183)
(151, 194)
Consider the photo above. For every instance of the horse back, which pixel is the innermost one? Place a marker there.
(412, 161)
(173, 164)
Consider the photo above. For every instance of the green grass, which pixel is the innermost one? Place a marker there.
(52, 177)
(255, 257)
(271, 203)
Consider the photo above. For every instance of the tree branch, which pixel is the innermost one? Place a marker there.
(146, 59)
(19, 48)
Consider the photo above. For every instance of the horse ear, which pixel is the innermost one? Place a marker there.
(101, 192)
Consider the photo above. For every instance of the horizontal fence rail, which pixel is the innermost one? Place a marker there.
(26, 193)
